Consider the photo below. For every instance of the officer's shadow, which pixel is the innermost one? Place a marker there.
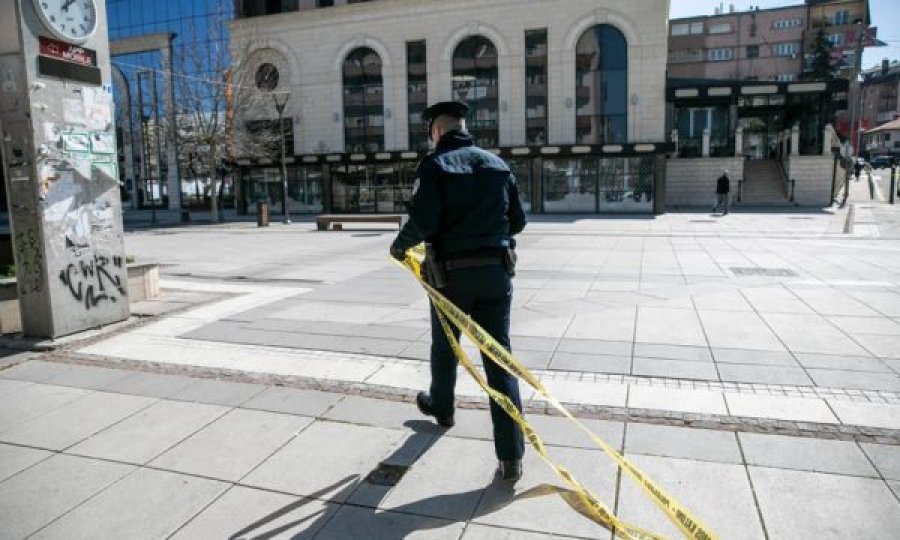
(365, 497)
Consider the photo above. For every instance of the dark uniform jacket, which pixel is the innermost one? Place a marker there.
(723, 184)
(465, 200)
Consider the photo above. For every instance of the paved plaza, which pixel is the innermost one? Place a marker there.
(750, 364)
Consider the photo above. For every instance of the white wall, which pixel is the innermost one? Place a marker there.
(316, 42)
(813, 176)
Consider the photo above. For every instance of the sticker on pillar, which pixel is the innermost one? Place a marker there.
(103, 142)
(73, 111)
(52, 132)
(82, 165)
(105, 172)
(46, 176)
(60, 197)
(76, 141)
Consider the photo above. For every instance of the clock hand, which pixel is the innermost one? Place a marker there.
(65, 6)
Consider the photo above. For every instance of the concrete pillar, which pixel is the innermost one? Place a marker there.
(795, 140)
(706, 142)
(674, 137)
(739, 142)
(57, 134)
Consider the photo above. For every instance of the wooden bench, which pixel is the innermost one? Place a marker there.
(335, 220)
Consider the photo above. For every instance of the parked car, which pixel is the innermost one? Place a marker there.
(880, 162)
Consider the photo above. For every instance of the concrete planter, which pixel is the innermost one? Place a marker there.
(143, 284)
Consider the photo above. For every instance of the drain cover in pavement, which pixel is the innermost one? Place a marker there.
(757, 271)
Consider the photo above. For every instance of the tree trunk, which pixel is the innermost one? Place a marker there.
(214, 186)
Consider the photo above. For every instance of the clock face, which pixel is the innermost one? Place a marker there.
(70, 20)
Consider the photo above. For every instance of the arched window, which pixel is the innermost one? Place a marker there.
(363, 102)
(601, 86)
(475, 83)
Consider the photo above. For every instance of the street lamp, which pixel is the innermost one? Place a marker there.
(281, 99)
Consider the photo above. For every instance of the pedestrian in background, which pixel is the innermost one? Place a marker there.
(466, 208)
(723, 189)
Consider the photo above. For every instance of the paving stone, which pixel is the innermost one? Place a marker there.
(14, 459)
(746, 356)
(122, 511)
(34, 498)
(718, 493)
(775, 300)
(798, 504)
(689, 443)
(827, 301)
(470, 424)
(779, 407)
(811, 334)
(669, 326)
(33, 370)
(677, 369)
(150, 384)
(91, 377)
(442, 485)
(231, 446)
(79, 419)
(783, 375)
(590, 393)
(352, 523)
(10, 386)
(34, 401)
(530, 343)
(608, 324)
(327, 460)
(526, 506)
(293, 401)
(842, 362)
(673, 352)
(676, 399)
(595, 346)
(252, 513)
(885, 457)
(738, 330)
(867, 325)
(381, 413)
(883, 346)
(216, 392)
(147, 434)
(805, 454)
(594, 363)
(867, 414)
(834, 378)
(560, 431)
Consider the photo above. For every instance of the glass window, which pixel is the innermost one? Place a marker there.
(385, 187)
(697, 28)
(363, 102)
(786, 49)
(601, 86)
(681, 29)
(720, 28)
(474, 82)
(416, 93)
(592, 184)
(717, 55)
(536, 86)
(752, 51)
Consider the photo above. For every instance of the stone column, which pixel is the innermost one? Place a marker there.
(173, 182)
(739, 142)
(706, 142)
(674, 137)
(826, 140)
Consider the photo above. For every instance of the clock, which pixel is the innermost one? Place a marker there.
(74, 21)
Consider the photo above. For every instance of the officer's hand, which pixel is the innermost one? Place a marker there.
(398, 253)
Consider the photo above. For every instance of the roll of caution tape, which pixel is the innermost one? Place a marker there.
(578, 496)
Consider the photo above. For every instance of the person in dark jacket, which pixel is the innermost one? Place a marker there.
(723, 187)
(466, 208)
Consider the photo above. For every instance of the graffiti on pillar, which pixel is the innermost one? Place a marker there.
(30, 261)
(94, 281)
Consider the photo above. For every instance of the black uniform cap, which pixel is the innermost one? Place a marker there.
(455, 109)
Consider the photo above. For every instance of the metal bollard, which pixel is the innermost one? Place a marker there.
(262, 214)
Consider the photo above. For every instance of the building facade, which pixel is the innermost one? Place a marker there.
(572, 92)
(162, 50)
(763, 45)
(883, 140)
(880, 98)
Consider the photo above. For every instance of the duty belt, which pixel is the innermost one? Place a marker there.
(473, 262)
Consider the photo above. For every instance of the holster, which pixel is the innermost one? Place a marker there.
(509, 259)
(433, 270)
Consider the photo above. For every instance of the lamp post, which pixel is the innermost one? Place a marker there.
(281, 99)
(853, 100)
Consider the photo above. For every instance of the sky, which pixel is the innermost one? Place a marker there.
(885, 14)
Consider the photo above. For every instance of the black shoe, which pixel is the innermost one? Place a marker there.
(423, 401)
(510, 471)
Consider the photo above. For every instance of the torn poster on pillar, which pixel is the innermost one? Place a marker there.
(73, 111)
(105, 172)
(52, 132)
(61, 197)
(97, 108)
(82, 165)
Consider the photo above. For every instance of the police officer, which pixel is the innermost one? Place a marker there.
(465, 206)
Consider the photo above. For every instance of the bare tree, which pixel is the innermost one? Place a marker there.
(208, 90)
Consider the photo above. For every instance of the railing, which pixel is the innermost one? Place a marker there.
(740, 192)
(793, 183)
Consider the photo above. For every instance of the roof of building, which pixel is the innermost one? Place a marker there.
(893, 125)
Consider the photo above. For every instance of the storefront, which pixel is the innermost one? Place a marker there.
(583, 179)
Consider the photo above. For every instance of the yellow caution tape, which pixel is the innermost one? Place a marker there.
(580, 498)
